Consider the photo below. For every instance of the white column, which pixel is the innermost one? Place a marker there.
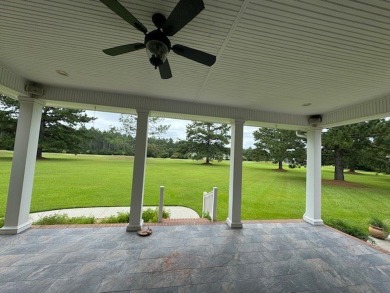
(137, 191)
(235, 182)
(23, 166)
(313, 178)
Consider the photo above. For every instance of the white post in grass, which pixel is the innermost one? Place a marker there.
(215, 194)
(161, 204)
(203, 206)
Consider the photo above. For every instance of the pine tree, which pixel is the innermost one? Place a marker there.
(59, 126)
(155, 125)
(207, 140)
(8, 118)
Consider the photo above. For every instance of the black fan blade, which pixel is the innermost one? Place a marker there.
(182, 14)
(165, 70)
(195, 55)
(124, 49)
(115, 6)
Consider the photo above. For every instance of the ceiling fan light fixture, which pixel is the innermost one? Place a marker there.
(157, 52)
(157, 47)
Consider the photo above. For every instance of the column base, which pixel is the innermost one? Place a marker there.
(233, 225)
(134, 228)
(314, 222)
(12, 230)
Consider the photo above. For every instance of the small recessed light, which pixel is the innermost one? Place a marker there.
(306, 104)
(62, 72)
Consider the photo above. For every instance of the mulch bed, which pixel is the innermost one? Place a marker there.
(342, 183)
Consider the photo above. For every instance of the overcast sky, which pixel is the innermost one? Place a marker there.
(177, 130)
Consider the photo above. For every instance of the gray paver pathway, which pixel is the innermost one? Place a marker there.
(262, 257)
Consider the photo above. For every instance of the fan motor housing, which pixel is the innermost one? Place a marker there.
(158, 35)
(159, 20)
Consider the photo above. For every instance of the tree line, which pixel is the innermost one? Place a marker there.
(364, 146)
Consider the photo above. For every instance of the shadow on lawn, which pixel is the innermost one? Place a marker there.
(349, 184)
(44, 159)
(194, 163)
(9, 159)
(5, 159)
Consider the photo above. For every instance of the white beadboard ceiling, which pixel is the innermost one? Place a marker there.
(272, 56)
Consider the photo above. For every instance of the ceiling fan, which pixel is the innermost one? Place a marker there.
(156, 42)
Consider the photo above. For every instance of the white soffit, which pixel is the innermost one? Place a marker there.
(272, 56)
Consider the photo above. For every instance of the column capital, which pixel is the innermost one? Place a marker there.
(142, 111)
(28, 99)
(312, 128)
(238, 121)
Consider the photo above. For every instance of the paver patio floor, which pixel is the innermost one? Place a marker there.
(261, 257)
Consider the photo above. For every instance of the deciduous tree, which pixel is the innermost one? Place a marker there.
(364, 144)
(279, 145)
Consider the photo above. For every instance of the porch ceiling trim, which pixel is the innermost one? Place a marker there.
(14, 85)
(374, 109)
(10, 83)
(125, 103)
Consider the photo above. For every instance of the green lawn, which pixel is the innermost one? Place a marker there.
(66, 181)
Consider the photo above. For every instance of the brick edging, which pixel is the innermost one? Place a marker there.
(165, 222)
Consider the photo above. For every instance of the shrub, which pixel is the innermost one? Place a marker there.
(151, 215)
(166, 214)
(346, 228)
(379, 224)
(61, 219)
(1, 222)
(206, 215)
(119, 218)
